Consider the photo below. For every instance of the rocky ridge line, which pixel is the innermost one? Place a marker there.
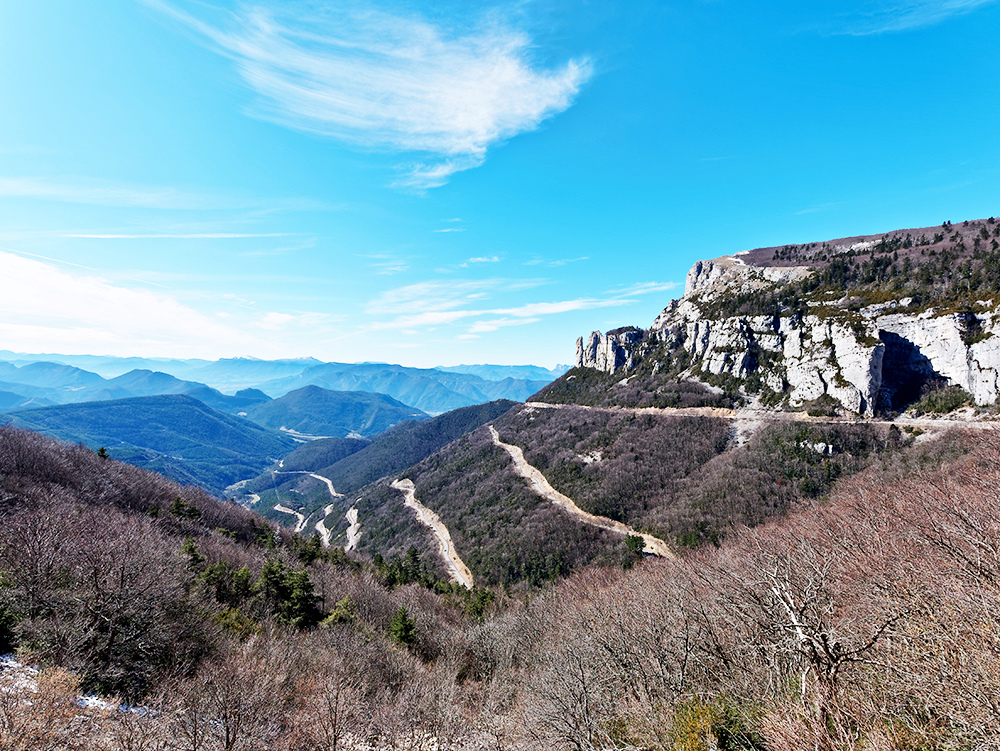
(864, 359)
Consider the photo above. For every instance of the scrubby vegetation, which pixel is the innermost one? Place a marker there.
(951, 269)
(867, 621)
(942, 400)
(321, 453)
(172, 434)
(504, 532)
(625, 466)
(654, 382)
(682, 478)
(130, 580)
(392, 451)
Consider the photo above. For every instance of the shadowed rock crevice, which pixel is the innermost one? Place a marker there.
(906, 372)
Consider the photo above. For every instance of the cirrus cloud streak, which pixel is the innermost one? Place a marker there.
(392, 82)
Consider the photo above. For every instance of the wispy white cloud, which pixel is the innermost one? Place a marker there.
(188, 236)
(450, 229)
(392, 82)
(104, 193)
(45, 306)
(443, 295)
(816, 209)
(903, 15)
(94, 192)
(282, 250)
(563, 306)
(481, 327)
(60, 307)
(273, 321)
(387, 263)
(442, 303)
(646, 288)
(555, 263)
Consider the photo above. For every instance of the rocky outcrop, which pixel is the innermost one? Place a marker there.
(804, 358)
(730, 274)
(611, 352)
(878, 357)
(962, 349)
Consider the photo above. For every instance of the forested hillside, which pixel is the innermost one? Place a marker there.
(349, 465)
(867, 621)
(316, 411)
(174, 434)
(687, 480)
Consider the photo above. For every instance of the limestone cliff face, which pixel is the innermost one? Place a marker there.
(938, 344)
(611, 352)
(805, 358)
(877, 357)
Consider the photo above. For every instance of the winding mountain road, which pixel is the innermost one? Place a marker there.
(652, 545)
(924, 423)
(300, 523)
(459, 571)
(324, 533)
(353, 531)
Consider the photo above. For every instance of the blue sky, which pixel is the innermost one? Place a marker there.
(456, 182)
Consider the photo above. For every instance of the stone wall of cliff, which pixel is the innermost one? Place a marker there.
(874, 358)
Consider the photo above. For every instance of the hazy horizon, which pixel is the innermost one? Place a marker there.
(421, 183)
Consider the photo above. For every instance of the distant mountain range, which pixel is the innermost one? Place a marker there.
(500, 372)
(46, 383)
(41, 380)
(178, 424)
(174, 434)
(429, 389)
(314, 411)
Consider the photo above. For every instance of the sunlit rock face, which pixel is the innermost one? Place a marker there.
(868, 359)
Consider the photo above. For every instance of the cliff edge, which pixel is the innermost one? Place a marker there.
(868, 324)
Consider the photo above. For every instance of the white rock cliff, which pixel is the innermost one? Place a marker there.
(864, 359)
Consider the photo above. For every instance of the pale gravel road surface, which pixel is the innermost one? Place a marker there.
(353, 531)
(653, 545)
(324, 533)
(300, 523)
(459, 571)
(925, 423)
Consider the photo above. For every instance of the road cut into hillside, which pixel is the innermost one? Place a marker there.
(353, 531)
(748, 413)
(300, 523)
(321, 528)
(652, 545)
(329, 483)
(456, 566)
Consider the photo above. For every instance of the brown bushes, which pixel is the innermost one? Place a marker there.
(870, 621)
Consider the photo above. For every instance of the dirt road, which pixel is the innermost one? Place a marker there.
(748, 414)
(353, 531)
(324, 533)
(300, 523)
(652, 545)
(459, 571)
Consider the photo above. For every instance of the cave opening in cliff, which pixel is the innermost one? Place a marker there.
(906, 373)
